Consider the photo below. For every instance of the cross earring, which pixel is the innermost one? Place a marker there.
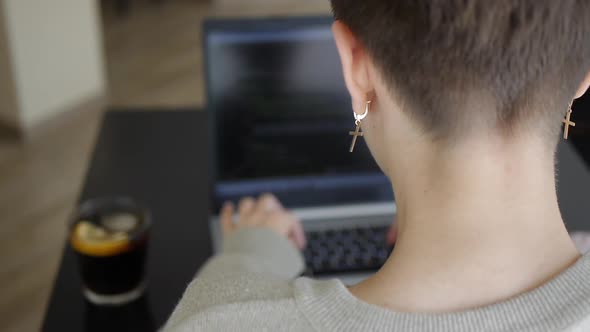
(567, 122)
(357, 121)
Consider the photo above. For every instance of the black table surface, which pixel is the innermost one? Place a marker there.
(158, 158)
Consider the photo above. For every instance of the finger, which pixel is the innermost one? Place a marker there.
(392, 234)
(227, 217)
(267, 203)
(298, 233)
(246, 207)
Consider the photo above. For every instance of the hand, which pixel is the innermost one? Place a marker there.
(266, 212)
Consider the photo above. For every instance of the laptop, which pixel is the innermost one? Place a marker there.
(280, 117)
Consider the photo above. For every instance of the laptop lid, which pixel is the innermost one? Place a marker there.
(281, 115)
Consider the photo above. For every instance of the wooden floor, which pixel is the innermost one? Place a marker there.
(153, 59)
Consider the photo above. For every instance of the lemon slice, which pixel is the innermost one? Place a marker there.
(90, 239)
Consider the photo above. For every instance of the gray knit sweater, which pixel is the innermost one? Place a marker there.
(250, 287)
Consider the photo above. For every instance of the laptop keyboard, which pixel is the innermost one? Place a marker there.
(346, 250)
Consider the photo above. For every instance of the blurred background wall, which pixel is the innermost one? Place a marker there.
(8, 104)
(55, 51)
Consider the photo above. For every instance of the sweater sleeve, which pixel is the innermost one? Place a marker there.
(255, 250)
(254, 264)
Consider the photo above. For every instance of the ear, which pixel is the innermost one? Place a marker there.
(583, 86)
(355, 62)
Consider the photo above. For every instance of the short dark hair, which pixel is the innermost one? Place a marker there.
(522, 53)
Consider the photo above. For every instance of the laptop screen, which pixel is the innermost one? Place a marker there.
(281, 115)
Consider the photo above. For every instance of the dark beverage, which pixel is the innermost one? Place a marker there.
(110, 238)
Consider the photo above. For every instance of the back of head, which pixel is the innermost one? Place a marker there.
(523, 59)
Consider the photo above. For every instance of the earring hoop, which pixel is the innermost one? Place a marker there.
(364, 115)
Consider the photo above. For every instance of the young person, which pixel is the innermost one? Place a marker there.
(462, 103)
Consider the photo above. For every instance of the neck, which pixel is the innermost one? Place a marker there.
(476, 225)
